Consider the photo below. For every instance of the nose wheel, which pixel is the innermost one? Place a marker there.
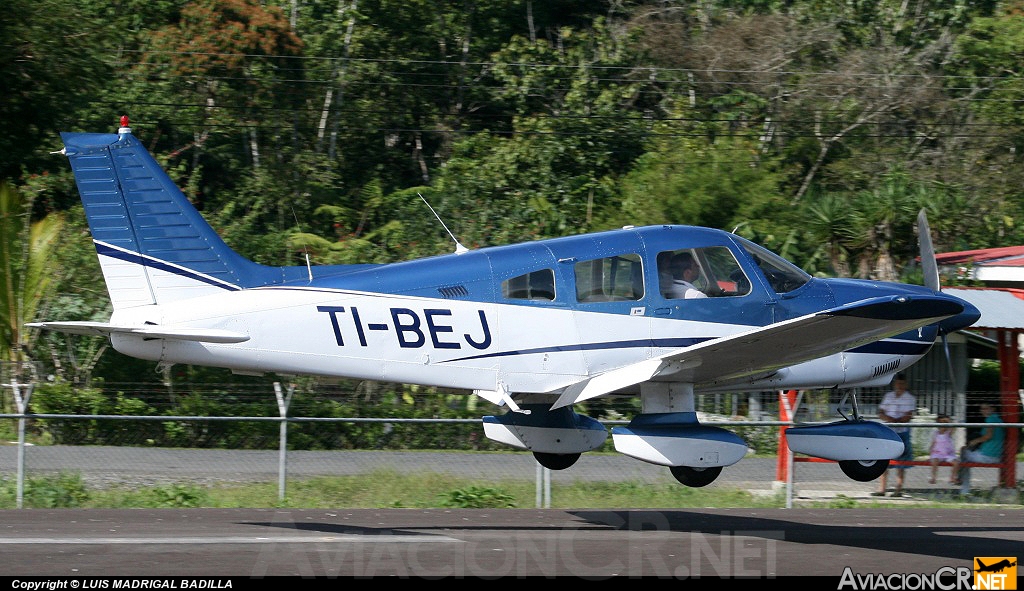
(860, 470)
(695, 477)
(864, 470)
(555, 461)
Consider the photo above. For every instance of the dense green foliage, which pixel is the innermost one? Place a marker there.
(308, 127)
(58, 491)
(249, 431)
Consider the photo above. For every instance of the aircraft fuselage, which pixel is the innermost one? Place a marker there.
(446, 321)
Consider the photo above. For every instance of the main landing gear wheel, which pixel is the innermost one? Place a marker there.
(555, 461)
(864, 470)
(695, 477)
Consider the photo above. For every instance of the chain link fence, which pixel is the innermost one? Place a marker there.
(134, 436)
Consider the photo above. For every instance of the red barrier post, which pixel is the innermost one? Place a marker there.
(786, 402)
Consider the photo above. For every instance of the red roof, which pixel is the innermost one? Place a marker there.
(1006, 256)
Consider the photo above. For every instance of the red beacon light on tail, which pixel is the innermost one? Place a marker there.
(124, 125)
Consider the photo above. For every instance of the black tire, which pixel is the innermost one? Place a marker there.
(555, 461)
(864, 470)
(695, 477)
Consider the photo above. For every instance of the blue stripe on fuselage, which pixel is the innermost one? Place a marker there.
(138, 259)
(633, 344)
(885, 347)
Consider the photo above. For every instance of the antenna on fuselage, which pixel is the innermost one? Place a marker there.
(305, 252)
(459, 248)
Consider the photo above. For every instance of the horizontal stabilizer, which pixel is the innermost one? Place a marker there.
(153, 331)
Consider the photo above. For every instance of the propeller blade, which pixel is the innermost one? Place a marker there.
(928, 264)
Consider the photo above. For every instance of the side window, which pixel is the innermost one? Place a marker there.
(700, 272)
(538, 285)
(617, 278)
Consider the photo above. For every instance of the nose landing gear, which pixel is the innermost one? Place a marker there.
(695, 477)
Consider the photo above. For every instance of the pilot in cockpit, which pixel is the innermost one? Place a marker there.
(684, 272)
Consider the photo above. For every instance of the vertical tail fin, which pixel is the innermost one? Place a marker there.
(154, 246)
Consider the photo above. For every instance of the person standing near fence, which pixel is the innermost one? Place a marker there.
(986, 448)
(897, 407)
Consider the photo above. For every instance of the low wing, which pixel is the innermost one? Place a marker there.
(766, 349)
(153, 331)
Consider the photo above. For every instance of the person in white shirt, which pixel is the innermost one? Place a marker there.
(897, 407)
(684, 272)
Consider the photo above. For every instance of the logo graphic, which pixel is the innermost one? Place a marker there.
(995, 572)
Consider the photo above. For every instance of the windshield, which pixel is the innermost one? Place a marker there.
(782, 275)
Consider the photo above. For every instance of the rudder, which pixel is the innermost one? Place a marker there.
(154, 246)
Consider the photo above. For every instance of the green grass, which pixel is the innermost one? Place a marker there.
(377, 490)
(389, 489)
(430, 490)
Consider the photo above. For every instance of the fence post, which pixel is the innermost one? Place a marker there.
(22, 408)
(542, 487)
(547, 488)
(283, 401)
(538, 480)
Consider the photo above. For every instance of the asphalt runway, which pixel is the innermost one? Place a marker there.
(65, 544)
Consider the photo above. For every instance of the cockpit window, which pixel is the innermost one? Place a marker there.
(707, 272)
(781, 274)
(538, 285)
(609, 279)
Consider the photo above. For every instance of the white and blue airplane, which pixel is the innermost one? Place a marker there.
(536, 328)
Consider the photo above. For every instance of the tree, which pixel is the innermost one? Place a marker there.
(574, 130)
(827, 222)
(884, 219)
(51, 62)
(707, 174)
(26, 253)
(77, 294)
(989, 81)
(228, 60)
